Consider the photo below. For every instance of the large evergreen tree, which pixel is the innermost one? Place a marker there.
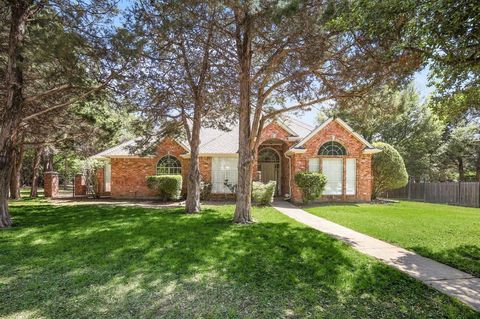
(57, 53)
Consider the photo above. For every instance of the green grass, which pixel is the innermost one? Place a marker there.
(449, 234)
(124, 262)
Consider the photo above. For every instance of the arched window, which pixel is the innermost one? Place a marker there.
(332, 148)
(169, 165)
(268, 155)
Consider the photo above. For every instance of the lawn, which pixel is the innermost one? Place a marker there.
(125, 262)
(449, 234)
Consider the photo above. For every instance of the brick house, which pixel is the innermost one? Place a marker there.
(287, 146)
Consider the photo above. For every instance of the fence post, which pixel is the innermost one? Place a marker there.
(478, 197)
(459, 198)
(409, 190)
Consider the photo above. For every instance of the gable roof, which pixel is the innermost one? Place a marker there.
(343, 124)
(215, 141)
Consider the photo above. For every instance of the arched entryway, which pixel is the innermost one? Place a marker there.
(269, 166)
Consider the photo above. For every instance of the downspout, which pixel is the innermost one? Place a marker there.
(289, 175)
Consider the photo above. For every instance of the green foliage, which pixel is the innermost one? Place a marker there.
(388, 169)
(263, 193)
(168, 187)
(205, 190)
(397, 118)
(461, 150)
(311, 184)
(89, 168)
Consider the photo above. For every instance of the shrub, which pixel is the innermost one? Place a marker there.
(205, 190)
(168, 187)
(389, 170)
(263, 193)
(311, 184)
(89, 168)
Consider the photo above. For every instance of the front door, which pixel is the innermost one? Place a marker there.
(269, 164)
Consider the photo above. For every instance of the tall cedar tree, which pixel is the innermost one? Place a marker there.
(182, 75)
(57, 54)
(291, 55)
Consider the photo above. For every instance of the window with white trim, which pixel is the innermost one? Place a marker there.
(224, 171)
(351, 176)
(332, 148)
(314, 164)
(169, 165)
(332, 168)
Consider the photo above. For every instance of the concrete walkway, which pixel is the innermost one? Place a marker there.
(448, 280)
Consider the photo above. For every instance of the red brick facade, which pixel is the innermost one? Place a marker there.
(128, 173)
(334, 131)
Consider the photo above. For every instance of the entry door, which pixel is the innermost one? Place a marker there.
(269, 172)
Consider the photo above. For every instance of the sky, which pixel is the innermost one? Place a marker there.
(420, 79)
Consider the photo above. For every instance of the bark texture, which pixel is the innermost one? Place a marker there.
(243, 214)
(461, 170)
(193, 184)
(15, 177)
(35, 172)
(11, 117)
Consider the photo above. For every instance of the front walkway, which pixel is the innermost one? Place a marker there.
(446, 279)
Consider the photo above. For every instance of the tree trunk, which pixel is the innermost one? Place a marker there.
(35, 172)
(461, 170)
(192, 204)
(477, 168)
(243, 214)
(15, 175)
(5, 219)
(48, 163)
(13, 101)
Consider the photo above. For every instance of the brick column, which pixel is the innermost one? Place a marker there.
(50, 186)
(80, 185)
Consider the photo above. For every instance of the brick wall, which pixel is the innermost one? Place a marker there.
(50, 184)
(80, 186)
(129, 173)
(276, 137)
(354, 149)
(100, 182)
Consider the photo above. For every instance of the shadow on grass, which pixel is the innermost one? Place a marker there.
(124, 262)
(463, 257)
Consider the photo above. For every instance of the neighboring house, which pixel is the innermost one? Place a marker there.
(287, 146)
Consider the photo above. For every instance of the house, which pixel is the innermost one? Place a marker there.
(287, 146)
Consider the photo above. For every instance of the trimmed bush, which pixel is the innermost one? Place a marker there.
(205, 190)
(389, 170)
(263, 193)
(311, 184)
(168, 187)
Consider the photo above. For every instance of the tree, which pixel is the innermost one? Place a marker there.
(182, 75)
(398, 118)
(56, 55)
(462, 148)
(388, 169)
(452, 47)
(291, 55)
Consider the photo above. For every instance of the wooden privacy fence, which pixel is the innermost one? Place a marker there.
(454, 193)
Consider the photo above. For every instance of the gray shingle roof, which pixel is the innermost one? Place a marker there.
(213, 141)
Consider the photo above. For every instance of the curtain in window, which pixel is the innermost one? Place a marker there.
(351, 176)
(332, 168)
(314, 165)
(224, 170)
